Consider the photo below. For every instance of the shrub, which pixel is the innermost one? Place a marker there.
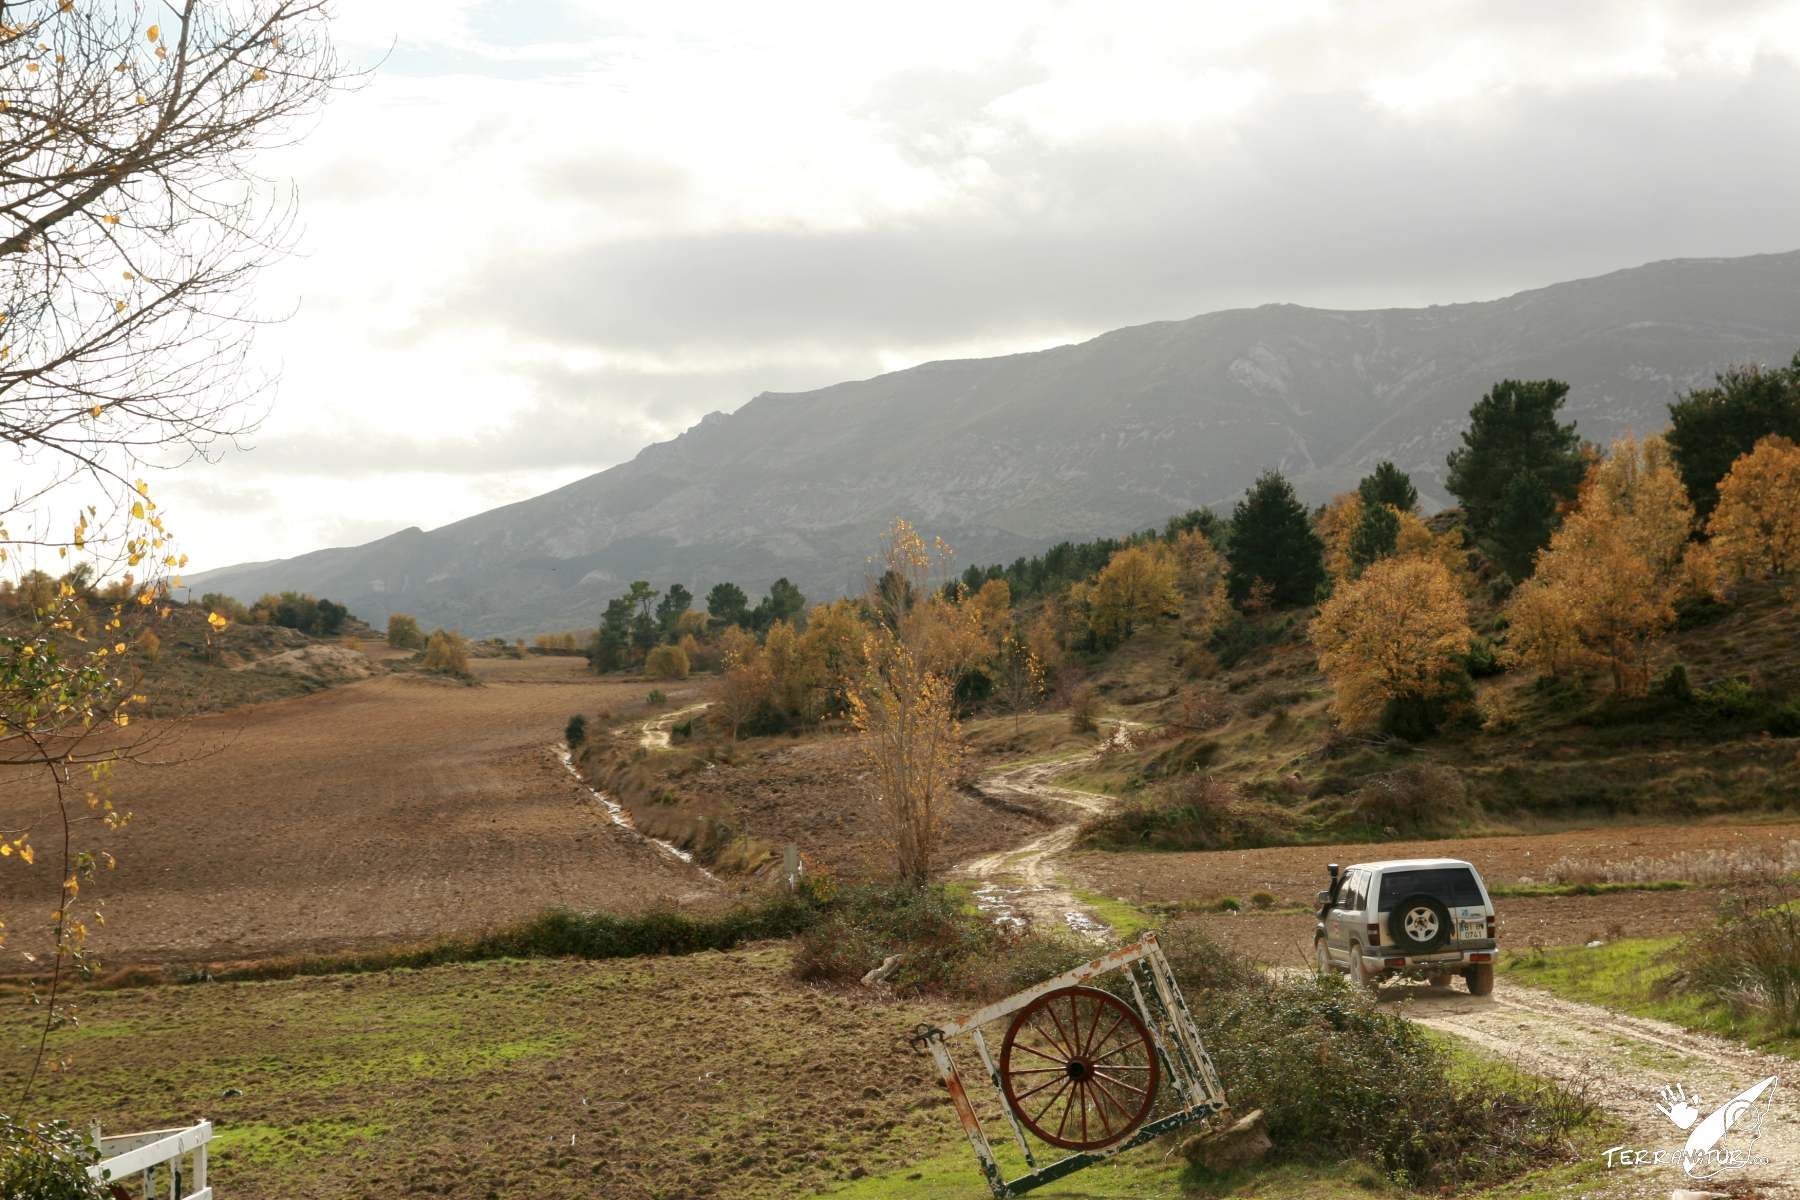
(1482, 659)
(446, 653)
(1204, 708)
(46, 1162)
(1730, 700)
(1749, 961)
(1262, 900)
(1785, 721)
(403, 632)
(1194, 812)
(656, 698)
(1340, 1078)
(1674, 686)
(936, 937)
(1084, 710)
(666, 662)
(575, 732)
(1411, 800)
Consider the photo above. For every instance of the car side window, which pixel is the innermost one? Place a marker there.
(1351, 898)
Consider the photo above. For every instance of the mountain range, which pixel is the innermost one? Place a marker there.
(1005, 456)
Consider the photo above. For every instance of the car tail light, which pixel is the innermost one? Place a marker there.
(1374, 934)
(1393, 962)
(1481, 958)
(1491, 927)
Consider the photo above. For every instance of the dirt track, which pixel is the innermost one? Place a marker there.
(1622, 1063)
(440, 808)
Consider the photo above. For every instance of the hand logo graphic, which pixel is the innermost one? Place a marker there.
(1678, 1108)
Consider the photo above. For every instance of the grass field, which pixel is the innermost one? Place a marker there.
(1633, 975)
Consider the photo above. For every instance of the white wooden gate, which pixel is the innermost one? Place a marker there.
(157, 1152)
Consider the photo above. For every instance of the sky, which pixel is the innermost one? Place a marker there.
(544, 234)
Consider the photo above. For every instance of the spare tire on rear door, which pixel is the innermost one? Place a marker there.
(1419, 923)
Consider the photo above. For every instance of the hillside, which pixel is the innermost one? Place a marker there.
(1004, 456)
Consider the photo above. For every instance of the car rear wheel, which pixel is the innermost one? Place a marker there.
(1480, 979)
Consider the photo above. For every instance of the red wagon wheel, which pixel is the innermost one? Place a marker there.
(1078, 1068)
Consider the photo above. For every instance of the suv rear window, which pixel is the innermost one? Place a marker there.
(1455, 886)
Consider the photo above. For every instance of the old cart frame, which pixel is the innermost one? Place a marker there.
(1186, 1069)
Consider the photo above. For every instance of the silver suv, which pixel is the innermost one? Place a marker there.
(1414, 918)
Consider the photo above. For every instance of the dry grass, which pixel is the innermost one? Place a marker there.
(1749, 864)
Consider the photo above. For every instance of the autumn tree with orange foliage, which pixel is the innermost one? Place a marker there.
(1756, 527)
(1605, 587)
(903, 705)
(1392, 635)
(1135, 589)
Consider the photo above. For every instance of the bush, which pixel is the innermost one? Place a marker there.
(575, 732)
(1340, 1078)
(1482, 660)
(1084, 710)
(403, 632)
(937, 938)
(1749, 961)
(656, 698)
(666, 662)
(1730, 700)
(1674, 686)
(1785, 721)
(446, 653)
(1194, 812)
(46, 1162)
(1414, 800)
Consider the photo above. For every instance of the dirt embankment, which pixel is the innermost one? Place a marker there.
(400, 808)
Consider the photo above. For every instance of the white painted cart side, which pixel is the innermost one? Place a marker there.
(141, 1154)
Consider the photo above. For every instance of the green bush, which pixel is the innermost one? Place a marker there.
(1749, 960)
(1785, 721)
(46, 1162)
(1340, 1078)
(1674, 686)
(1482, 660)
(575, 732)
(1192, 812)
(1731, 700)
(936, 937)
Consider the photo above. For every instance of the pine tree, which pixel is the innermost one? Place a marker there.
(1374, 537)
(1713, 427)
(1272, 541)
(1517, 463)
(1388, 484)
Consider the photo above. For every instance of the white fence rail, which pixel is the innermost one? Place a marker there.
(158, 1152)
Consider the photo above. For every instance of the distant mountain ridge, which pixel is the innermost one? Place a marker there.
(1004, 456)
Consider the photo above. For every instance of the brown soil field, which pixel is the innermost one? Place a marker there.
(812, 792)
(1294, 873)
(399, 808)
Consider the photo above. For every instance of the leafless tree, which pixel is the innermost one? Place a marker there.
(132, 223)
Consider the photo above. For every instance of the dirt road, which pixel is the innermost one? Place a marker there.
(1624, 1063)
(1021, 885)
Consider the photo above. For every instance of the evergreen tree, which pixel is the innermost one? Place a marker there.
(783, 603)
(675, 601)
(1374, 537)
(726, 604)
(1273, 541)
(1516, 464)
(1714, 427)
(1388, 484)
(613, 641)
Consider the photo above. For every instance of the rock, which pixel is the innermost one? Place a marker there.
(1690, 1194)
(1244, 1141)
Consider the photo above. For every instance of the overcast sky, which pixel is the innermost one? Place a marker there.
(547, 234)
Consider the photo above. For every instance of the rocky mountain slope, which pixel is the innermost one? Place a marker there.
(1003, 456)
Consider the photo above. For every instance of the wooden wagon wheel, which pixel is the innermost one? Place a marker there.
(1078, 1068)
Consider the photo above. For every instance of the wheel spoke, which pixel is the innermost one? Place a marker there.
(1061, 1062)
(1040, 1087)
(1100, 1099)
(1065, 1115)
(1037, 1071)
(1048, 1103)
(1095, 1046)
(1120, 1082)
(1121, 1048)
(1084, 1108)
(1113, 1100)
(1068, 1049)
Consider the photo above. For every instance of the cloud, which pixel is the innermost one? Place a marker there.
(546, 235)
